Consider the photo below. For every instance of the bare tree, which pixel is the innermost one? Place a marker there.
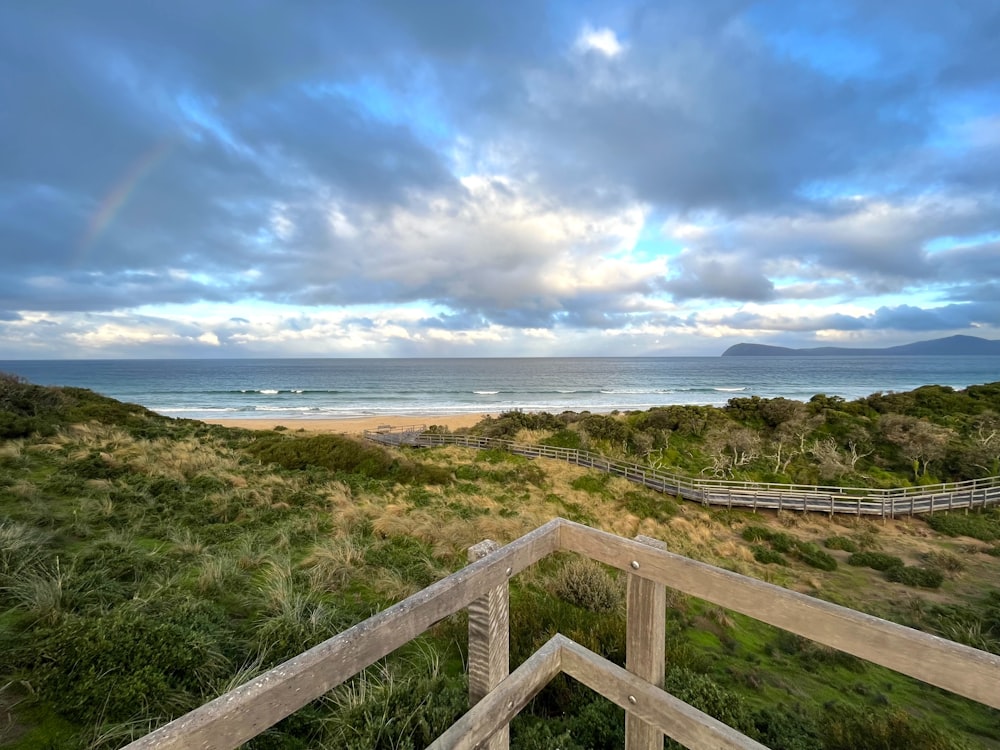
(920, 441)
(986, 437)
(745, 445)
(729, 448)
(789, 438)
(856, 452)
(829, 460)
(782, 455)
(859, 445)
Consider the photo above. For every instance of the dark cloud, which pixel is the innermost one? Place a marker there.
(728, 278)
(81, 291)
(985, 291)
(906, 318)
(324, 136)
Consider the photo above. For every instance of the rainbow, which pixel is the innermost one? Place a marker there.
(116, 198)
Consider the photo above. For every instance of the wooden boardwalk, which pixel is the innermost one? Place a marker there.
(496, 696)
(858, 501)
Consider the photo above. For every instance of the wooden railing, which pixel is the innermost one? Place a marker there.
(886, 503)
(482, 587)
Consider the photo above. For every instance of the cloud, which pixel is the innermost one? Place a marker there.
(718, 277)
(603, 41)
(499, 175)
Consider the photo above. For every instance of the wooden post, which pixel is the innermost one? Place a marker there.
(489, 643)
(645, 646)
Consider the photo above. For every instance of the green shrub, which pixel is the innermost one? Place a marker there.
(536, 614)
(756, 534)
(647, 504)
(115, 665)
(983, 525)
(533, 733)
(705, 694)
(499, 456)
(841, 543)
(565, 438)
(813, 556)
(521, 473)
(12, 426)
(782, 542)
(928, 578)
(787, 728)
(341, 453)
(605, 427)
(810, 654)
(593, 723)
(766, 556)
(976, 624)
(849, 728)
(588, 584)
(509, 423)
(594, 484)
(874, 560)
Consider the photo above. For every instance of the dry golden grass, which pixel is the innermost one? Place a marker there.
(186, 543)
(531, 436)
(685, 530)
(732, 550)
(15, 448)
(92, 435)
(348, 519)
(392, 585)
(332, 562)
(508, 529)
(560, 472)
(391, 521)
(101, 506)
(24, 488)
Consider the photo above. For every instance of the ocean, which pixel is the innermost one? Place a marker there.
(334, 388)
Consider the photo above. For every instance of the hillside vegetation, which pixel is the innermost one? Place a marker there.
(929, 435)
(148, 564)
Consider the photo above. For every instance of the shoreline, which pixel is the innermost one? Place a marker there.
(353, 425)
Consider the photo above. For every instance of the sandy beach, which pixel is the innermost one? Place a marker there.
(353, 425)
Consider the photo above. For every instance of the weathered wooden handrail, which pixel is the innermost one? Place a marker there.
(644, 701)
(886, 503)
(241, 714)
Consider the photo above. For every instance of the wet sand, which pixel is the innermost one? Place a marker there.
(353, 425)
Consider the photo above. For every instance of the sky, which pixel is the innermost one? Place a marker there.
(389, 178)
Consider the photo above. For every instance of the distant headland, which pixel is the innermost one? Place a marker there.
(956, 346)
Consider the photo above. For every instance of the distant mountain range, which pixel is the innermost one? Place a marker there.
(958, 346)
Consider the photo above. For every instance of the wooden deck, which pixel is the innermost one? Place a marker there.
(890, 503)
(651, 713)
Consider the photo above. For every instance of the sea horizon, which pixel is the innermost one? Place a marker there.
(338, 387)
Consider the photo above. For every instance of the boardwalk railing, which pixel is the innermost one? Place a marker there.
(886, 503)
(482, 587)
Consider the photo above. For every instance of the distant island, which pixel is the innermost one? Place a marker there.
(956, 346)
